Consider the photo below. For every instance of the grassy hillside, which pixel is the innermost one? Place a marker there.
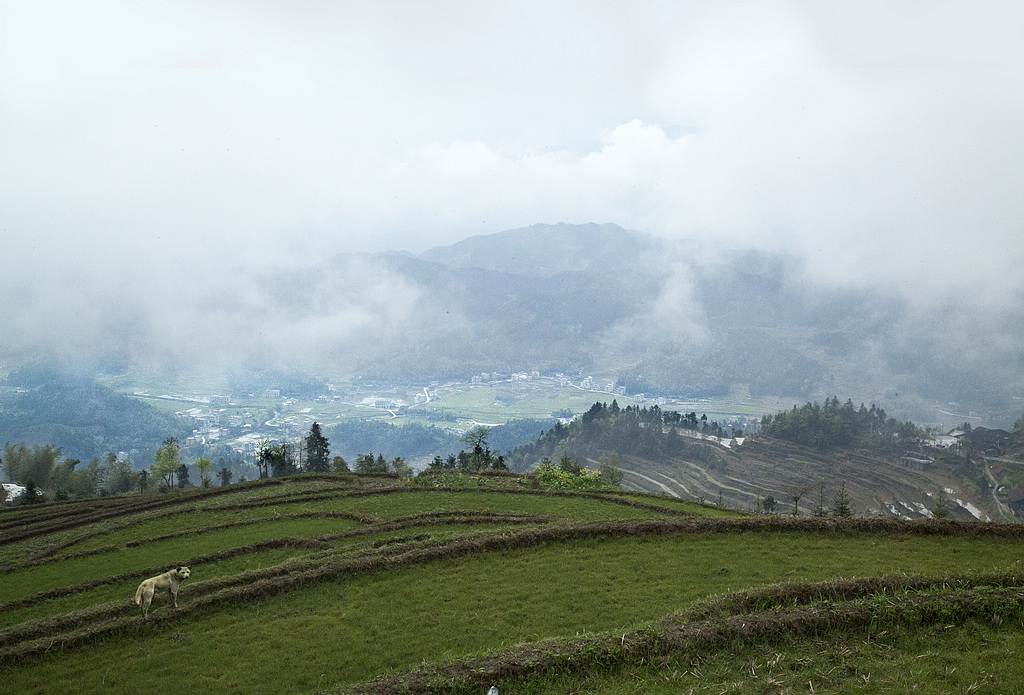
(449, 583)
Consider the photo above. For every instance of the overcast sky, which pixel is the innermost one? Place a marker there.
(145, 144)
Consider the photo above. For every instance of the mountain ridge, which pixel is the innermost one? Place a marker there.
(680, 318)
(545, 249)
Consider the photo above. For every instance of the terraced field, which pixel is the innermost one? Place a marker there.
(453, 583)
(877, 484)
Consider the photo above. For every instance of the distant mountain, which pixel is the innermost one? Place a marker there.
(550, 249)
(84, 419)
(680, 318)
(667, 317)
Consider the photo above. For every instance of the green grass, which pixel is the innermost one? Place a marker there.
(441, 610)
(20, 582)
(124, 590)
(575, 508)
(234, 526)
(445, 589)
(970, 658)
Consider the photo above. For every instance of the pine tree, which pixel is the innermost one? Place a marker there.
(318, 451)
(941, 509)
(841, 503)
(225, 476)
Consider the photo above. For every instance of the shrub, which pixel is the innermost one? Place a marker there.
(32, 494)
(568, 477)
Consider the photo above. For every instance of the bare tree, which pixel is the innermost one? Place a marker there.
(794, 493)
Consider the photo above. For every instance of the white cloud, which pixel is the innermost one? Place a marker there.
(197, 140)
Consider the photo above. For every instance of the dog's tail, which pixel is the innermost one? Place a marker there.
(138, 596)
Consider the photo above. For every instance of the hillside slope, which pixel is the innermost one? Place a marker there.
(45, 405)
(761, 467)
(659, 453)
(314, 582)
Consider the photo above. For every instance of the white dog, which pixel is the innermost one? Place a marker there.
(170, 581)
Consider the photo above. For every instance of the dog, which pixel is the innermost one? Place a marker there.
(169, 581)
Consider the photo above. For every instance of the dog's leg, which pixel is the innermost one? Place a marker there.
(147, 598)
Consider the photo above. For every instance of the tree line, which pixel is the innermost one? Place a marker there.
(417, 440)
(833, 425)
(478, 458)
(42, 467)
(634, 430)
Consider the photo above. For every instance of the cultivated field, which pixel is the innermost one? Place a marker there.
(454, 583)
(876, 483)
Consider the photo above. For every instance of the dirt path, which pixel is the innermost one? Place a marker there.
(1004, 512)
(714, 481)
(664, 487)
(666, 477)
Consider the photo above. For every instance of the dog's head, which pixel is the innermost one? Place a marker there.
(183, 573)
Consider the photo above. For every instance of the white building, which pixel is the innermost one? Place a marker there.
(14, 491)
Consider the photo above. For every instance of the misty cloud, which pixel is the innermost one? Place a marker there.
(332, 313)
(173, 177)
(672, 321)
